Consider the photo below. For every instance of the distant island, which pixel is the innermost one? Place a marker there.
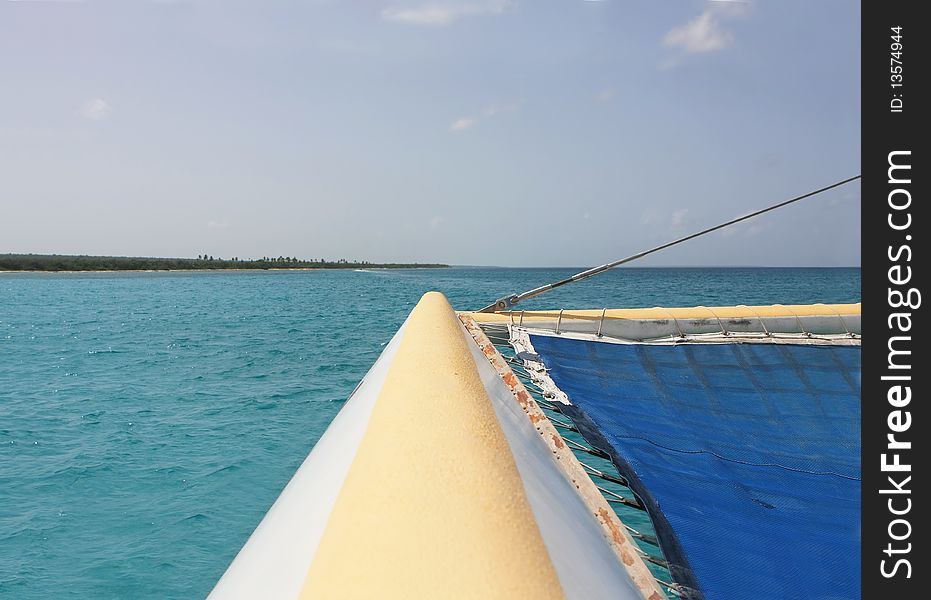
(60, 262)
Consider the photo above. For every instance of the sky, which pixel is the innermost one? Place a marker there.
(471, 132)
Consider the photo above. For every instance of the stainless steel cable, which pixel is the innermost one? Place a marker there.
(508, 302)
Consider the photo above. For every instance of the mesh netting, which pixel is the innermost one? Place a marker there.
(747, 456)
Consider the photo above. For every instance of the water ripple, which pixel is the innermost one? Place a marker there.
(149, 420)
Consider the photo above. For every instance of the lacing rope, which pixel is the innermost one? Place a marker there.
(757, 315)
(801, 327)
(583, 448)
(844, 323)
(615, 497)
(649, 539)
(618, 479)
(602, 322)
(672, 587)
(720, 324)
(675, 322)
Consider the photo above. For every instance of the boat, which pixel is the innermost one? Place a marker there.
(499, 454)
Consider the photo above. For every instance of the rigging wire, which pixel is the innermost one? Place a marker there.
(509, 301)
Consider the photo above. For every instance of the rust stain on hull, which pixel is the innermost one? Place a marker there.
(623, 545)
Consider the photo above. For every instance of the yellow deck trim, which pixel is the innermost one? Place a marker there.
(433, 505)
(697, 312)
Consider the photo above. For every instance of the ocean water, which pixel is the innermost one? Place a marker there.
(148, 420)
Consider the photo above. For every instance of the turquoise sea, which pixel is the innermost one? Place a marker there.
(148, 420)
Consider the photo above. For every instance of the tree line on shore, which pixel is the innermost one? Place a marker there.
(60, 262)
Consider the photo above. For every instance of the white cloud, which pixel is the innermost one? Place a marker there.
(605, 95)
(443, 13)
(217, 225)
(701, 34)
(436, 221)
(846, 197)
(754, 230)
(96, 109)
(705, 33)
(678, 217)
(463, 123)
(728, 232)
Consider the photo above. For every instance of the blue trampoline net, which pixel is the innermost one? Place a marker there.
(747, 456)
